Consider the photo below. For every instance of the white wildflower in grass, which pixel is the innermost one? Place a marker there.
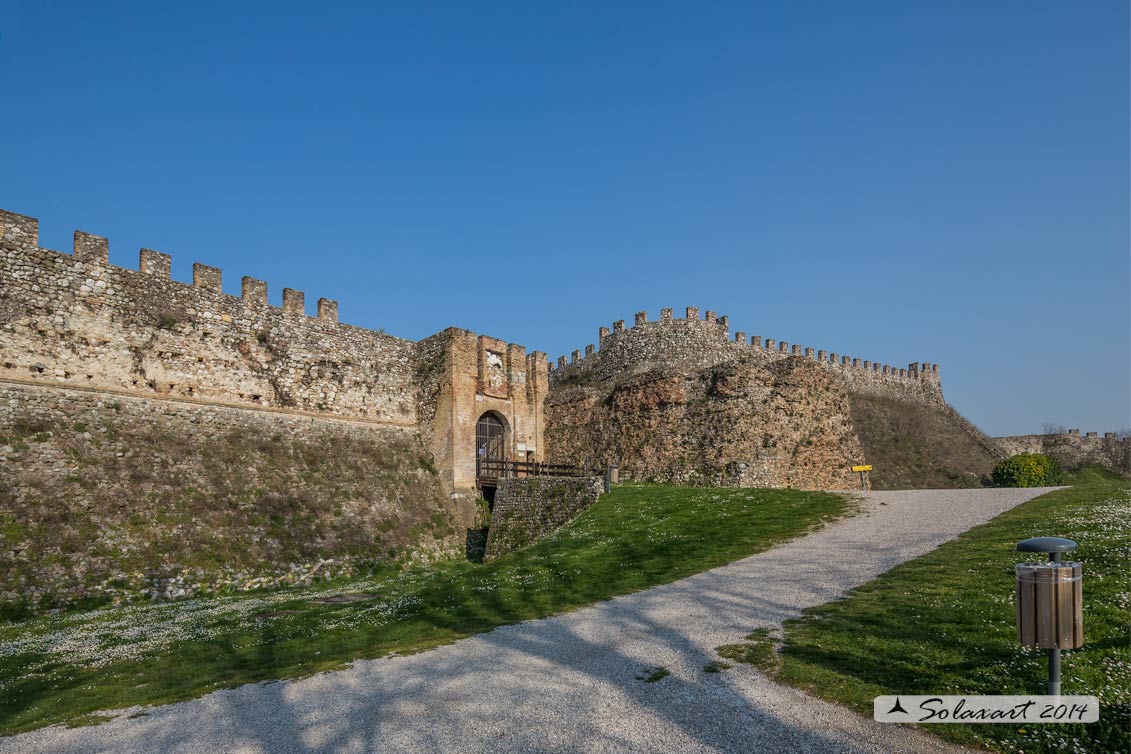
(199, 644)
(945, 624)
(102, 637)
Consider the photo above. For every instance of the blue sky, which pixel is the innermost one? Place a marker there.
(942, 182)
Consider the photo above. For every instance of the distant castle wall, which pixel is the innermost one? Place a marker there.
(694, 342)
(1074, 449)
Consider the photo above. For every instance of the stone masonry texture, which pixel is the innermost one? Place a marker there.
(97, 360)
(783, 424)
(1074, 449)
(677, 400)
(83, 330)
(525, 510)
(75, 320)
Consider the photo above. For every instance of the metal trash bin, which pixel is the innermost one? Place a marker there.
(612, 476)
(1050, 602)
(1050, 606)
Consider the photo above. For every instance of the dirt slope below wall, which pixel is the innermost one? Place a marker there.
(915, 446)
(104, 496)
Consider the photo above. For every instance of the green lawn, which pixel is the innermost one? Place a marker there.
(65, 667)
(944, 624)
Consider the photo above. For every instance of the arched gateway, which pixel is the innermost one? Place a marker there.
(490, 453)
(490, 438)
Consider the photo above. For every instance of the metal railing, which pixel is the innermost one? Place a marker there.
(490, 468)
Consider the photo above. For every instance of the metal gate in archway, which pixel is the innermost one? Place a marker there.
(490, 440)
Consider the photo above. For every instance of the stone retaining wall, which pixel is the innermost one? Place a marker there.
(525, 510)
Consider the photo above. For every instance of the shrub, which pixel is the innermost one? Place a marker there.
(1028, 470)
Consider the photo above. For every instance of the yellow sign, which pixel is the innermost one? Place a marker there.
(862, 468)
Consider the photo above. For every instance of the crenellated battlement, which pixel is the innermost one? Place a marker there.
(1071, 435)
(254, 291)
(18, 231)
(160, 265)
(21, 233)
(692, 341)
(1073, 449)
(77, 321)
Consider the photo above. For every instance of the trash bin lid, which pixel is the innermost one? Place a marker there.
(1046, 544)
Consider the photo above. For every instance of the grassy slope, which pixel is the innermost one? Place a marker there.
(916, 447)
(944, 624)
(217, 508)
(141, 655)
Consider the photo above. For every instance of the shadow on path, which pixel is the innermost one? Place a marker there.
(571, 683)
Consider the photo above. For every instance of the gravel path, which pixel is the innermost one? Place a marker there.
(569, 684)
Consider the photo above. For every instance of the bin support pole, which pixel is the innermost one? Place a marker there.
(1054, 652)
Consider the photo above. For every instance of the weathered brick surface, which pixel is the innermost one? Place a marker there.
(525, 510)
(461, 376)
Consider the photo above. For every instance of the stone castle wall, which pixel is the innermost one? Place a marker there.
(526, 510)
(691, 342)
(680, 400)
(785, 423)
(190, 363)
(677, 399)
(1074, 449)
(77, 320)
